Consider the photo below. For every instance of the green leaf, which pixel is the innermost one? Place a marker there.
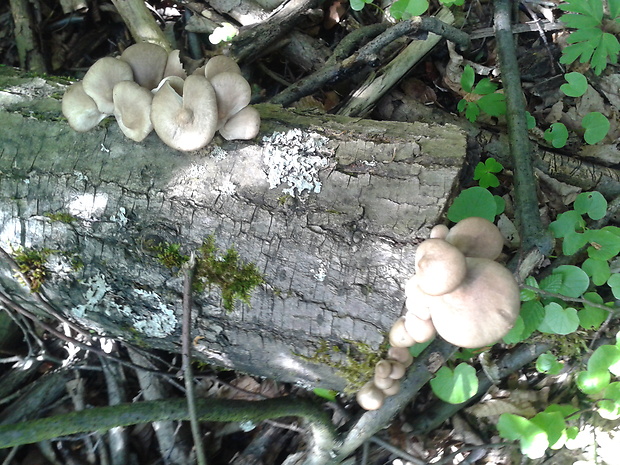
(609, 408)
(614, 283)
(575, 281)
(547, 363)
(405, 9)
(493, 104)
(553, 424)
(527, 294)
(533, 439)
(515, 335)
(484, 173)
(573, 241)
(467, 79)
(576, 86)
(327, 394)
(472, 111)
(605, 245)
(597, 269)
(475, 201)
(455, 386)
(556, 135)
(592, 382)
(592, 317)
(614, 9)
(569, 221)
(551, 283)
(484, 87)
(593, 9)
(500, 204)
(596, 125)
(533, 313)
(606, 357)
(357, 5)
(531, 121)
(591, 203)
(559, 320)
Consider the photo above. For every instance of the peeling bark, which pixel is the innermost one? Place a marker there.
(333, 261)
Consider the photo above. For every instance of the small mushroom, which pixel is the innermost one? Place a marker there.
(220, 64)
(393, 389)
(418, 303)
(440, 266)
(383, 369)
(147, 62)
(245, 125)
(399, 337)
(383, 383)
(100, 79)
(233, 93)
(174, 67)
(420, 330)
(80, 110)
(186, 122)
(398, 370)
(439, 231)
(370, 397)
(482, 309)
(132, 108)
(401, 355)
(476, 237)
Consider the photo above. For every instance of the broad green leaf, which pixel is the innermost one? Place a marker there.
(614, 283)
(485, 86)
(575, 281)
(591, 8)
(604, 245)
(533, 313)
(596, 125)
(515, 335)
(357, 5)
(547, 363)
(559, 320)
(533, 439)
(526, 294)
(606, 357)
(551, 283)
(610, 407)
(556, 135)
(614, 8)
(328, 394)
(405, 9)
(418, 348)
(573, 241)
(493, 104)
(554, 425)
(531, 121)
(580, 21)
(467, 79)
(569, 221)
(591, 203)
(592, 317)
(592, 382)
(472, 111)
(500, 204)
(455, 386)
(475, 201)
(576, 84)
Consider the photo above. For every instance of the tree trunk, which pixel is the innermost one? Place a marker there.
(334, 257)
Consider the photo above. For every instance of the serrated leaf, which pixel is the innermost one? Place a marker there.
(576, 86)
(493, 104)
(472, 111)
(596, 125)
(485, 86)
(455, 386)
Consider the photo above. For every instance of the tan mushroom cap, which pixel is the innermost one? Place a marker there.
(80, 110)
(233, 93)
(370, 397)
(399, 337)
(477, 237)
(482, 309)
(418, 303)
(220, 64)
(147, 62)
(185, 122)
(439, 231)
(245, 125)
(440, 266)
(401, 355)
(420, 330)
(132, 109)
(174, 67)
(100, 79)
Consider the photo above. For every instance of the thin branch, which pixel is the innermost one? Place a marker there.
(188, 279)
(569, 299)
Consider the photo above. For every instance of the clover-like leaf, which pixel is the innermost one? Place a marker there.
(575, 281)
(591, 203)
(455, 386)
(559, 320)
(576, 86)
(533, 439)
(614, 283)
(596, 125)
(407, 8)
(493, 104)
(591, 382)
(484, 173)
(556, 135)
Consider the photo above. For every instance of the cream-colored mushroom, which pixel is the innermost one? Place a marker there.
(132, 109)
(80, 110)
(476, 237)
(439, 266)
(420, 330)
(233, 93)
(370, 397)
(393, 389)
(147, 62)
(220, 64)
(399, 337)
(401, 355)
(244, 125)
(100, 79)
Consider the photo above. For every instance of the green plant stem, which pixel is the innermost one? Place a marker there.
(531, 230)
(569, 299)
(105, 418)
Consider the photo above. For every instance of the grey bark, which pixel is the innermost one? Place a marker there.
(334, 261)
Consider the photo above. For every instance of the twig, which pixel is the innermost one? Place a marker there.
(396, 451)
(140, 22)
(188, 375)
(533, 235)
(570, 299)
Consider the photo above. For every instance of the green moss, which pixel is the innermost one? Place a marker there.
(235, 278)
(357, 365)
(170, 255)
(61, 217)
(31, 263)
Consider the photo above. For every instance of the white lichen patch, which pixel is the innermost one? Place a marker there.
(120, 218)
(96, 288)
(218, 153)
(227, 187)
(159, 323)
(88, 207)
(294, 158)
(321, 273)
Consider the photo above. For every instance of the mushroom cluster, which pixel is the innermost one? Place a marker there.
(458, 291)
(147, 89)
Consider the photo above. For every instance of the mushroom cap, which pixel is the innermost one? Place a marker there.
(220, 64)
(132, 109)
(370, 397)
(398, 370)
(244, 125)
(439, 231)
(383, 383)
(477, 237)
(440, 266)
(233, 93)
(418, 303)
(174, 67)
(399, 337)
(185, 122)
(401, 355)
(393, 389)
(100, 79)
(80, 110)
(147, 62)
(482, 309)
(383, 368)
(420, 330)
